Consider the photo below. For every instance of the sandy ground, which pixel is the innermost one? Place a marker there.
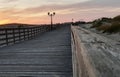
(114, 36)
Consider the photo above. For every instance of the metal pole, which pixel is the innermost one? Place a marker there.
(51, 15)
(51, 22)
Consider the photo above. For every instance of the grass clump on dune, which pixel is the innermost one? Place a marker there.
(107, 24)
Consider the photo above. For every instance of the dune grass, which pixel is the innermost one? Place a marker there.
(113, 28)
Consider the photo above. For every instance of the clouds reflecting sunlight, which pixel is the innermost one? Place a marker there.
(35, 11)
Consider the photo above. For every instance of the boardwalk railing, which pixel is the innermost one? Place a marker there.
(81, 64)
(14, 35)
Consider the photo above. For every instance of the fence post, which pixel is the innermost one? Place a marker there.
(13, 30)
(19, 33)
(39, 29)
(28, 33)
(24, 33)
(36, 30)
(6, 36)
(31, 32)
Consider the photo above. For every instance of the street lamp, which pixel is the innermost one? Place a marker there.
(51, 15)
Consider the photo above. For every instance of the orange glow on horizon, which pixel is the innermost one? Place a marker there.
(4, 22)
(24, 11)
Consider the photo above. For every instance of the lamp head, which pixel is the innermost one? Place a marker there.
(48, 13)
(53, 13)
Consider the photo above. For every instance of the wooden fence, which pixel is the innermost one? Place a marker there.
(81, 63)
(10, 36)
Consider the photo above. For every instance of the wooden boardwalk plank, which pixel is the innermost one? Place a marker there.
(48, 55)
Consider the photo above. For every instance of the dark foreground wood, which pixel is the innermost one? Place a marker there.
(48, 55)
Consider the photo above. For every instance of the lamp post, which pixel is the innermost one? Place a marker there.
(51, 15)
(72, 21)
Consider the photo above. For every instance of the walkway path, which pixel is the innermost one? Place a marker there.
(48, 55)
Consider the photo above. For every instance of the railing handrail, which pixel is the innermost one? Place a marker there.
(15, 35)
(81, 63)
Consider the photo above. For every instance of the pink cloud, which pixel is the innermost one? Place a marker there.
(80, 11)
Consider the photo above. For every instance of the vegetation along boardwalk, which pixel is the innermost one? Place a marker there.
(48, 55)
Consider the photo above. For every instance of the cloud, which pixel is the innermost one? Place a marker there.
(100, 3)
(65, 1)
(93, 5)
(8, 1)
(88, 10)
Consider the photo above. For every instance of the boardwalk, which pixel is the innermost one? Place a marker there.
(48, 55)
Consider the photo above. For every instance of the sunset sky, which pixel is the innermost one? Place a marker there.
(35, 11)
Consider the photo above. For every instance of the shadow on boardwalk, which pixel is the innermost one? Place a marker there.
(48, 55)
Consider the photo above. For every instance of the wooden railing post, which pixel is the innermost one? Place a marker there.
(19, 34)
(24, 33)
(28, 33)
(13, 30)
(6, 36)
(34, 31)
(39, 29)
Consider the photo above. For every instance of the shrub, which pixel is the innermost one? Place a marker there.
(114, 28)
(96, 23)
(103, 28)
(99, 22)
(117, 18)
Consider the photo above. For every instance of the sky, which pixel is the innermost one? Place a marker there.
(36, 11)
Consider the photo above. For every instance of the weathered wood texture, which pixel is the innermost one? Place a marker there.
(48, 55)
(81, 64)
(10, 36)
(14, 35)
(94, 55)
